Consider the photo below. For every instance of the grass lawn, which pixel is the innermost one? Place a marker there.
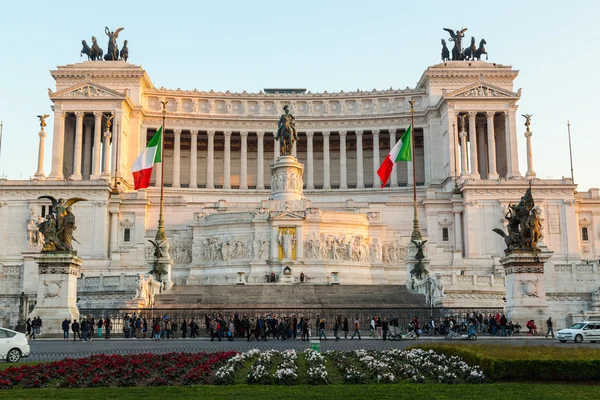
(520, 352)
(4, 366)
(380, 391)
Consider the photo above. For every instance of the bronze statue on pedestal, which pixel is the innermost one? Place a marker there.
(286, 132)
(524, 225)
(59, 225)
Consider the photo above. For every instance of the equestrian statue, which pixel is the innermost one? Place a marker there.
(286, 134)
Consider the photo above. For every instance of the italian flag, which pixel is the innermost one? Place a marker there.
(402, 151)
(142, 167)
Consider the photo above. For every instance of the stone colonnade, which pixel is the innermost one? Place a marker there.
(91, 147)
(176, 150)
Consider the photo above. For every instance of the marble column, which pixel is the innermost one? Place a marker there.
(276, 149)
(310, 182)
(97, 145)
(491, 136)
(295, 150)
(530, 172)
(473, 142)
(210, 160)
(227, 161)
(39, 174)
(106, 146)
(176, 183)
(78, 146)
(260, 161)
(244, 161)
(512, 156)
(376, 162)
(87, 148)
(482, 151)
(326, 162)
(194, 159)
(360, 171)
(394, 178)
(58, 146)
(456, 166)
(463, 154)
(343, 161)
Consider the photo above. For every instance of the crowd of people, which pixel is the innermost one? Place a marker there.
(236, 327)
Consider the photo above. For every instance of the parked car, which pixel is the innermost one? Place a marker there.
(13, 345)
(580, 331)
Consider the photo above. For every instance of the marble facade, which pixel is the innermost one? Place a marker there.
(223, 212)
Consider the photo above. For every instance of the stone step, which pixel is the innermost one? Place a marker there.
(279, 295)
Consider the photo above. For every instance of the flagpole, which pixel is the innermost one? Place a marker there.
(570, 153)
(416, 233)
(160, 233)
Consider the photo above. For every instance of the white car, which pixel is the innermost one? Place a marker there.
(13, 345)
(580, 331)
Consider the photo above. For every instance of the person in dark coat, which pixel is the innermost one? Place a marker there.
(75, 329)
(66, 324)
(184, 327)
(346, 328)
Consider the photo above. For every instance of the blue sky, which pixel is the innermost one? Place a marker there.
(319, 45)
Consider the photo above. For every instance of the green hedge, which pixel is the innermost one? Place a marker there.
(526, 368)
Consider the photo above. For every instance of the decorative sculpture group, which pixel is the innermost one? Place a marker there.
(524, 225)
(458, 53)
(286, 134)
(58, 227)
(419, 271)
(157, 269)
(95, 53)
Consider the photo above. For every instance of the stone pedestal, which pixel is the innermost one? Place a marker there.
(241, 278)
(166, 263)
(286, 179)
(525, 290)
(57, 290)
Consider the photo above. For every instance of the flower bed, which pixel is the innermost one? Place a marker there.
(316, 373)
(174, 369)
(259, 371)
(287, 371)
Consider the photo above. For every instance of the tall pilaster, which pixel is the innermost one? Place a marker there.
(343, 161)
(473, 141)
(326, 162)
(98, 145)
(394, 182)
(227, 161)
(210, 160)
(360, 172)
(40, 169)
(58, 146)
(482, 151)
(78, 146)
(530, 172)
(176, 158)
(244, 161)
(87, 148)
(463, 154)
(276, 149)
(458, 245)
(491, 137)
(512, 156)
(310, 183)
(194, 159)
(260, 161)
(376, 162)
(106, 146)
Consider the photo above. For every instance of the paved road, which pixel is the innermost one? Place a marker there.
(52, 349)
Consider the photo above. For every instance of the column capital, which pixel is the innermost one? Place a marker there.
(392, 131)
(490, 114)
(42, 134)
(375, 132)
(528, 134)
(98, 114)
(359, 133)
(260, 134)
(472, 114)
(177, 131)
(310, 134)
(107, 134)
(462, 134)
(326, 134)
(244, 134)
(62, 116)
(342, 133)
(79, 115)
(210, 133)
(227, 134)
(194, 132)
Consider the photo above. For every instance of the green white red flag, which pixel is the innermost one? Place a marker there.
(402, 151)
(142, 167)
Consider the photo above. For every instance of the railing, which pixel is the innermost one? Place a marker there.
(401, 317)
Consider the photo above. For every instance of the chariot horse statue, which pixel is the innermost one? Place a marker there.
(286, 134)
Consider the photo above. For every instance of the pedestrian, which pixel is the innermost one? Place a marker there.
(29, 328)
(100, 323)
(214, 330)
(356, 329)
(184, 327)
(503, 323)
(384, 328)
(75, 329)
(532, 327)
(379, 327)
(107, 327)
(85, 330)
(346, 327)
(66, 325)
(156, 330)
(372, 328)
(174, 326)
(549, 329)
(322, 329)
(336, 328)
(231, 331)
